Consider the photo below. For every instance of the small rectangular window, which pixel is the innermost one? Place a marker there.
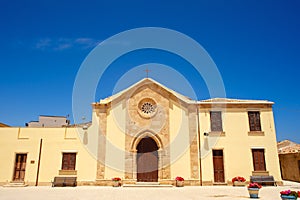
(68, 161)
(216, 121)
(254, 121)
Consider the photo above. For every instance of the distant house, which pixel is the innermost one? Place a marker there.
(49, 121)
(289, 158)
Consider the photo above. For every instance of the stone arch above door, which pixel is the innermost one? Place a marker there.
(132, 153)
(144, 134)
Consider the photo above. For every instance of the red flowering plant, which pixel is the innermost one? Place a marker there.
(116, 179)
(239, 179)
(179, 178)
(254, 185)
(290, 193)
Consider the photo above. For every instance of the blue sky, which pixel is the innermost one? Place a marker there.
(255, 45)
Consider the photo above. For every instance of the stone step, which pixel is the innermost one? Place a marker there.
(148, 184)
(16, 184)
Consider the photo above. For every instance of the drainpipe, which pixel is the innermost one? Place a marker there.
(199, 139)
(39, 162)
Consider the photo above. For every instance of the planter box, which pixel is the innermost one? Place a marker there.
(253, 192)
(116, 184)
(239, 183)
(286, 197)
(179, 183)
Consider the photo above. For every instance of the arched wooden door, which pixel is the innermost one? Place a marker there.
(147, 160)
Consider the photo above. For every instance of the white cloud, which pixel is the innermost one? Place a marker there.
(61, 47)
(60, 44)
(43, 43)
(87, 42)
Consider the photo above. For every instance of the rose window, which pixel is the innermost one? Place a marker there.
(147, 107)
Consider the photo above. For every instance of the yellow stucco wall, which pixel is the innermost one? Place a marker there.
(115, 146)
(179, 142)
(237, 144)
(55, 142)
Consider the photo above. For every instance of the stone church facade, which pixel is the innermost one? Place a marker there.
(148, 133)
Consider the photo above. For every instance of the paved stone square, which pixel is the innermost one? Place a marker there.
(95, 192)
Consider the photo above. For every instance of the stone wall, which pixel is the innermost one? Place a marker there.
(290, 166)
(156, 126)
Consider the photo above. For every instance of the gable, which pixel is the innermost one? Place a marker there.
(141, 85)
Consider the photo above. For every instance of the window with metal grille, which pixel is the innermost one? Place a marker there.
(254, 121)
(216, 121)
(68, 161)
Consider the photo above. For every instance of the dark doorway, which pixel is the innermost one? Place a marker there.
(20, 166)
(147, 160)
(218, 166)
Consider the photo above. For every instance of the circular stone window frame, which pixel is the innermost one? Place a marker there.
(152, 103)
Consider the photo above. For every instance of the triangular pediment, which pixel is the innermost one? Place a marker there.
(146, 83)
(154, 85)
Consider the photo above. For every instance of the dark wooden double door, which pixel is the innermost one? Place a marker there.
(20, 166)
(147, 160)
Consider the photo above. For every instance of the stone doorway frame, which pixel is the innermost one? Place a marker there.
(131, 156)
